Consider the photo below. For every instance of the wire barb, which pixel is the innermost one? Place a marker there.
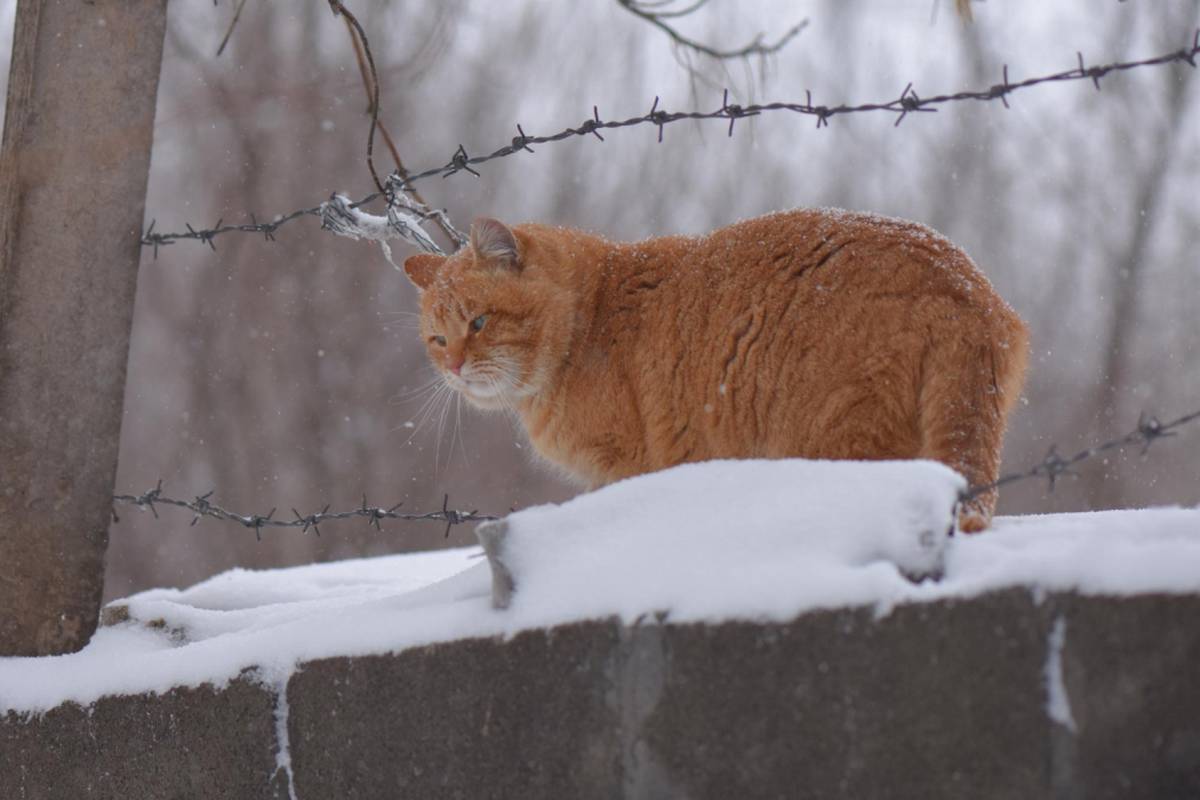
(458, 162)
(522, 141)
(1151, 430)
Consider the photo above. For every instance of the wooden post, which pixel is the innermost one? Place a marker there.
(73, 171)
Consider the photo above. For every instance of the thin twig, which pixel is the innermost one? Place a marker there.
(755, 48)
(357, 29)
(237, 14)
(369, 77)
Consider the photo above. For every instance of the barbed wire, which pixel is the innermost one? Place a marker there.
(908, 102)
(201, 506)
(1149, 430)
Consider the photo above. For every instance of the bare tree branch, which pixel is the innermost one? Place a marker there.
(361, 39)
(650, 13)
(237, 14)
(370, 80)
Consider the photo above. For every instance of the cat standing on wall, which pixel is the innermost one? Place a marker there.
(807, 333)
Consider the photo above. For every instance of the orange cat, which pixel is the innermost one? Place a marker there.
(808, 333)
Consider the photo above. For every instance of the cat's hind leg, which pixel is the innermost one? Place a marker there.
(968, 389)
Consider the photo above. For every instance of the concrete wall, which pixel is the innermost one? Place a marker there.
(937, 700)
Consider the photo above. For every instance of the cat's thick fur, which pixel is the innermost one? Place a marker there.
(808, 333)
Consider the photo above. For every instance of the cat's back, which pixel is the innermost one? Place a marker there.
(806, 269)
(831, 248)
(809, 267)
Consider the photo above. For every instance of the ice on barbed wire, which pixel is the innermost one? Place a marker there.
(399, 193)
(409, 226)
(340, 217)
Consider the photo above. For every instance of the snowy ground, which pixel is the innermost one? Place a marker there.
(723, 540)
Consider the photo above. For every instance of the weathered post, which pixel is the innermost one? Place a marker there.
(73, 170)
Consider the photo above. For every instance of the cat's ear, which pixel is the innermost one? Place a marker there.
(494, 242)
(421, 268)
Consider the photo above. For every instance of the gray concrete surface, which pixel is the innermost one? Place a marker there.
(944, 700)
(524, 718)
(1132, 670)
(187, 743)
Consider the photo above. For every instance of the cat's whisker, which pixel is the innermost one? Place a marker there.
(505, 401)
(494, 385)
(401, 323)
(426, 374)
(419, 417)
(407, 322)
(462, 440)
(406, 392)
(506, 370)
(512, 371)
(497, 392)
(428, 409)
(412, 394)
(437, 455)
(427, 414)
(431, 411)
(431, 401)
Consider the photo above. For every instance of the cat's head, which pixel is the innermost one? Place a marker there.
(494, 322)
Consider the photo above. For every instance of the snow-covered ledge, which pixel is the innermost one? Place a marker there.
(733, 629)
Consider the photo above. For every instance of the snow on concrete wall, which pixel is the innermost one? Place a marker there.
(656, 639)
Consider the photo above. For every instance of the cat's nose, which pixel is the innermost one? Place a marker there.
(456, 364)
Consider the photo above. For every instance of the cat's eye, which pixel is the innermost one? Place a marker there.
(478, 323)
(440, 341)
